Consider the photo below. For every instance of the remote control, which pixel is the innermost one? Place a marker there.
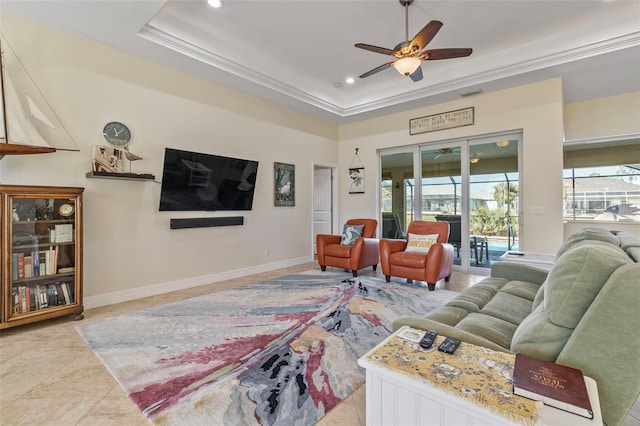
(427, 339)
(449, 345)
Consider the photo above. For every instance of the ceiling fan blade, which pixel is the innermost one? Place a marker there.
(375, 49)
(377, 69)
(417, 75)
(431, 55)
(425, 35)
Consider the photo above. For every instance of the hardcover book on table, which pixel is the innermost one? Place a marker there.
(554, 384)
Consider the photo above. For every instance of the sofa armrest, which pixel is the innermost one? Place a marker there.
(323, 240)
(519, 272)
(613, 320)
(439, 262)
(387, 247)
(422, 323)
(364, 251)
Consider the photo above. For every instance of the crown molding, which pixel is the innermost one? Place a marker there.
(200, 54)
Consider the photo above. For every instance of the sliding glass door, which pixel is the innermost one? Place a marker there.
(471, 183)
(397, 192)
(493, 198)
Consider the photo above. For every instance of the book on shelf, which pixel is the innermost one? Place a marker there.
(65, 293)
(35, 261)
(554, 384)
(14, 266)
(20, 266)
(28, 267)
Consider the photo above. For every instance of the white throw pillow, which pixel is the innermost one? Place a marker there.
(421, 243)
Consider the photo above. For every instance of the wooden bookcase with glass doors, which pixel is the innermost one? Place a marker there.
(41, 253)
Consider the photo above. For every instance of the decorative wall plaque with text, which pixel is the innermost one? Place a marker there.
(445, 120)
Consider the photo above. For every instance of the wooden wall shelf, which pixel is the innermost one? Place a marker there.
(123, 176)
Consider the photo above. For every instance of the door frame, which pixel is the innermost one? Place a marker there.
(334, 198)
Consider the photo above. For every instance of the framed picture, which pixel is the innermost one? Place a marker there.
(284, 184)
(357, 180)
(107, 159)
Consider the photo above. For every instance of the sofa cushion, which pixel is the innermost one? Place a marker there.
(449, 315)
(508, 307)
(476, 297)
(538, 337)
(410, 260)
(350, 233)
(488, 327)
(589, 234)
(576, 278)
(572, 285)
(634, 253)
(628, 240)
(337, 250)
(539, 297)
(523, 289)
(419, 243)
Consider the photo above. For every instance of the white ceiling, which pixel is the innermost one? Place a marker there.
(297, 52)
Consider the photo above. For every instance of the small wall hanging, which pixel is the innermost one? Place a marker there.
(357, 175)
(284, 184)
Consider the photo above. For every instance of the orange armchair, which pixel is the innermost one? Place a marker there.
(430, 267)
(364, 251)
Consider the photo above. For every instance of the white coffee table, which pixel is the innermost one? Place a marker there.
(397, 394)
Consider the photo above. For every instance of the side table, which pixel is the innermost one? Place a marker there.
(402, 388)
(544, 261)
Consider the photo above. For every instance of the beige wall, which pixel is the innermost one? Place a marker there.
(603, 117)
(597, 119)
(536, 109)
(129, 249)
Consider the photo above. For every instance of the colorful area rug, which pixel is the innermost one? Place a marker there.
(279, 352)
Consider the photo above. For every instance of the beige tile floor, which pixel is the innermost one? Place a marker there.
(48, 376)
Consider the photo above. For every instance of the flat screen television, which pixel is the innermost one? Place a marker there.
(194, 181)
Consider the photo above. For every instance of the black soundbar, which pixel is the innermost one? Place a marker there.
(206, 222)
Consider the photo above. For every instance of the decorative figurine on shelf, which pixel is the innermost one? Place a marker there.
(14, 214)
(130, 155)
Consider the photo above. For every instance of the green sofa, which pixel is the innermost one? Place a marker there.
(584, 312)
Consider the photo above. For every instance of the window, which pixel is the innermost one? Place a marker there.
(602, 181)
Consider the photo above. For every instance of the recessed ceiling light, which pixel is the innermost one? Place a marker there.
(350, 80)
(215, 3)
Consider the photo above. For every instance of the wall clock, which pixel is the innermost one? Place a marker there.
(116, 134)
(66, 210)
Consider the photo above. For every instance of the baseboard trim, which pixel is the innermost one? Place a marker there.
(167, 287)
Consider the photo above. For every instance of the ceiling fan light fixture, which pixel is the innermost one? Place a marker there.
(474, 159)
(502, 144)
(407, 65)
(216, 4)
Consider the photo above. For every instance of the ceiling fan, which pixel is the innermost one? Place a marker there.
(408, 53)
(445, 151)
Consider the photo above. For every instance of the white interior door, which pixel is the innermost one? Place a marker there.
(322, 203)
